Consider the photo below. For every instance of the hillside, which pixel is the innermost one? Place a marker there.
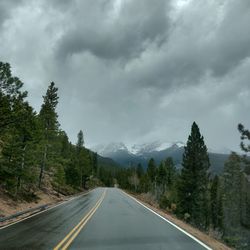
(105, 162)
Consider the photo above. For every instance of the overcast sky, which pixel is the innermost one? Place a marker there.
(135, 71)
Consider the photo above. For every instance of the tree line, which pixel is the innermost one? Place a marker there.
(34, 151)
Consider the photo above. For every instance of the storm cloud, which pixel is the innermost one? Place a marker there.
(135, 70)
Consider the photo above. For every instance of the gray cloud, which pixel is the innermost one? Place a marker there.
(108, 36)
(6, 7)
(135, 71)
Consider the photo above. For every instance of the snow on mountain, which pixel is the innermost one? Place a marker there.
(136, 149)
(132, 155)
(164, 146)
(109, 149)
(140, 149)
(179, 144)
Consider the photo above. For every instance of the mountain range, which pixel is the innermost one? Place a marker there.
(127, 156)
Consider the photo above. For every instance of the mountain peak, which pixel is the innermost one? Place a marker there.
(136, 149)
(156, 146)
(109, 149)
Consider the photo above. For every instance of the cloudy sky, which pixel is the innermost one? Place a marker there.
(135, 70)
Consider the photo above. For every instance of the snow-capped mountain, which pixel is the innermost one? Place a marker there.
(140, 149)
(136, 149)
(107, 150)
(141, 153)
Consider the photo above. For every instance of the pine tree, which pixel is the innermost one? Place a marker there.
(170, 172)
(87, 166)
(245, 135)
(79, 151)
(193, 184)
(232, 177)
(151, 170)
(95, 163)
(216, 212)
(16, 132)
(162, 177)
(10, 92)
(245, 200)
(26, 136)
(80, 141)
(49, 123)
(139, 170)
(152, 173)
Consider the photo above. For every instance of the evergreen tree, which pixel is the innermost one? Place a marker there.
(10, 92)
(95, 163)
(80, 141)
(64, 145)
(245, 197)
(79, 151)
(87, 166)
(216, 213)
(160, 180)
(170, 172)
(151, 170)
(49, 124)
(152, 173)
(193, 184)
(17, 126)
(245, 202)
(232, 177)
(144, 184)
(25, 132)
(162, 177)
(139, 170)
(245, 135)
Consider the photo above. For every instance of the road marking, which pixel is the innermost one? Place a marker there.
(57, 205)
(68, 239)
(171, 223)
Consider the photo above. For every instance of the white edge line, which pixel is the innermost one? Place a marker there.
(182, 230)
(57, 205)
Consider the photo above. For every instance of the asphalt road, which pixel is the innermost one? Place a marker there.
(102, 219)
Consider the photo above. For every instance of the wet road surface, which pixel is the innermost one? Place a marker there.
(103, 219)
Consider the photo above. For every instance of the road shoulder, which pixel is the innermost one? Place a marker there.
(207, 239)
(10, 207)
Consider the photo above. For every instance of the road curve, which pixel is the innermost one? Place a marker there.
(105, 219)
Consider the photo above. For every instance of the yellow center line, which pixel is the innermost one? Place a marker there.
(76, 230)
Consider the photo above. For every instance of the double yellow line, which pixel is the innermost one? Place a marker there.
(65, 243)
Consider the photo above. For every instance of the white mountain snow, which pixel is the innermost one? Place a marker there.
(109, 149)
(136, 149)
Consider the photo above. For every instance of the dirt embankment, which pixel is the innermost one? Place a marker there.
(207, 239)
(8, 206)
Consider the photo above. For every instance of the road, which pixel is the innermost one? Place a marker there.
(105, 218)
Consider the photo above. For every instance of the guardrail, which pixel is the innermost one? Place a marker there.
(39, 208)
